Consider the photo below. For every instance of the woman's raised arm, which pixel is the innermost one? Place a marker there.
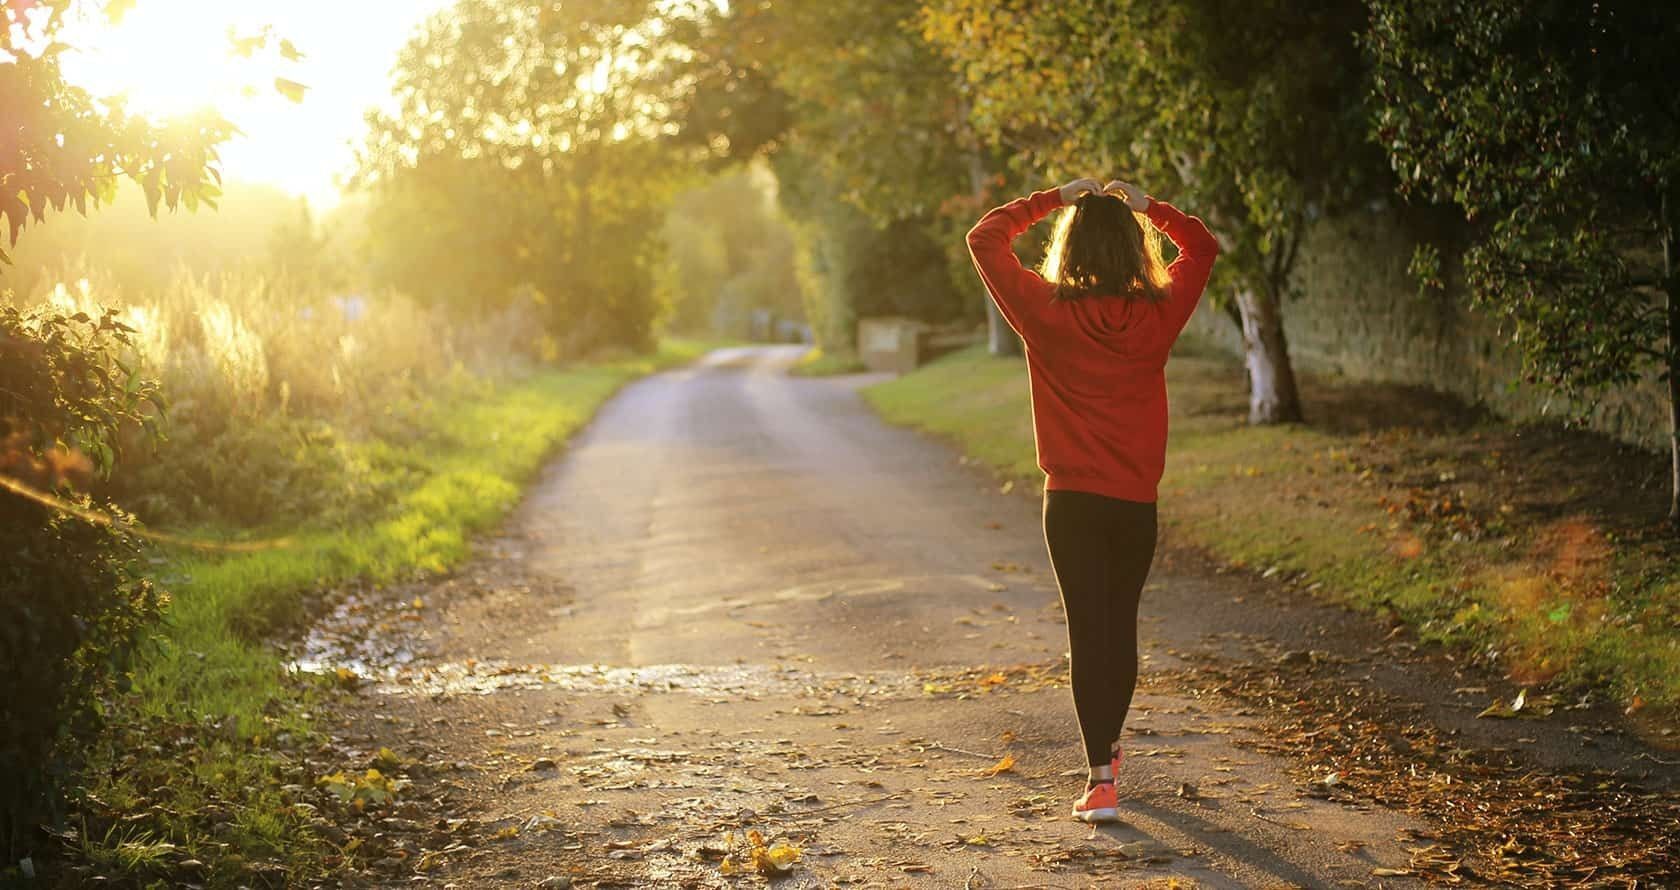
(1018, 291)
(1197, 249)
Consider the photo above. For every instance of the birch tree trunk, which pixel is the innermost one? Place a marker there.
(1272, 397)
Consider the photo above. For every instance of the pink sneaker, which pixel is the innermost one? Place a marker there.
(1100, 804)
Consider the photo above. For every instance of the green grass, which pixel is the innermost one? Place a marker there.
(214, 680)
(820, 363)
(1562, 600)
(978, 402)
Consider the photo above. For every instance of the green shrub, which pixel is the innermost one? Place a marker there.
(73, 606)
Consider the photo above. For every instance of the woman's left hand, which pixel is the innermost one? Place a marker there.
(1135, 198)
(1074, 189)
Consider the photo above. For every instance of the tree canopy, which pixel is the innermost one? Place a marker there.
(1248, 113)
(531, 147)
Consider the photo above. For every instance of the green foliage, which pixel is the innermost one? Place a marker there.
(73, 607)
(68, 390)
(853, 266)
(1552, 126)
(866, 156)
(876, 110)
(529, 151)
(728, 251)
(729, 108)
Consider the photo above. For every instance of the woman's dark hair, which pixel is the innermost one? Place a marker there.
(1102, 248)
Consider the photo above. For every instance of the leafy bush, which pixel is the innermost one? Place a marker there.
(73, 607)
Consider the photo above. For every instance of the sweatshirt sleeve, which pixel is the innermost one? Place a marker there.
(1196, 251)
(1020, 293)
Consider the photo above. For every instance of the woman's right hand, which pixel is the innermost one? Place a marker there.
(1135, 198)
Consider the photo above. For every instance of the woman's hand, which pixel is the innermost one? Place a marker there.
(1074, 189)
(1134, 197)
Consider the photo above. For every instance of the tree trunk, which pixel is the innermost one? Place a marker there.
(1000, 337)
(1674, 403)
(1272, 397)
(1671, 286)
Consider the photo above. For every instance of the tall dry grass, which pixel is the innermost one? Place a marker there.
(275, 387)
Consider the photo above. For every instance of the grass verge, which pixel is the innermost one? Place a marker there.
(1535, 549)
(818, 363)
(203, 774)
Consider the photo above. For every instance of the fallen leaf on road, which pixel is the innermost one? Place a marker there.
(388, 761)
(1502, 710)
(543, 822)
(1521, 706)
(770, 860)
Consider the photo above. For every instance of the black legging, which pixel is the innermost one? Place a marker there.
(1101, 548)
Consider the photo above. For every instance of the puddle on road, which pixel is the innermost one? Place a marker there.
(372, 640)
(473, 677)
(378, 640)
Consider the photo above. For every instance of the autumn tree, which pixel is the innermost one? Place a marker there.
(530, 148)
(1553, 126)
(1246, 113)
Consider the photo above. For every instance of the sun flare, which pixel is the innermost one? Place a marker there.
(171, 57)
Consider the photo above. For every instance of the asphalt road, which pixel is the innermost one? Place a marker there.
(740, 601)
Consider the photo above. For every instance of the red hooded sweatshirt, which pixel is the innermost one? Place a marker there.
(1098, 364)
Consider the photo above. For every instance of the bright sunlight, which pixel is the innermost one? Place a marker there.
(176, 56)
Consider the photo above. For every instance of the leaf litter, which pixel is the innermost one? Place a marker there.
(1497, 818)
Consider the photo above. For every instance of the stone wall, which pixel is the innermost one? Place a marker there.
(1357, 313)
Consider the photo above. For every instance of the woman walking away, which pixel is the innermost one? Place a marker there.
(1098, 324)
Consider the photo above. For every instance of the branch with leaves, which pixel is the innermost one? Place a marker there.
(61, 147)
